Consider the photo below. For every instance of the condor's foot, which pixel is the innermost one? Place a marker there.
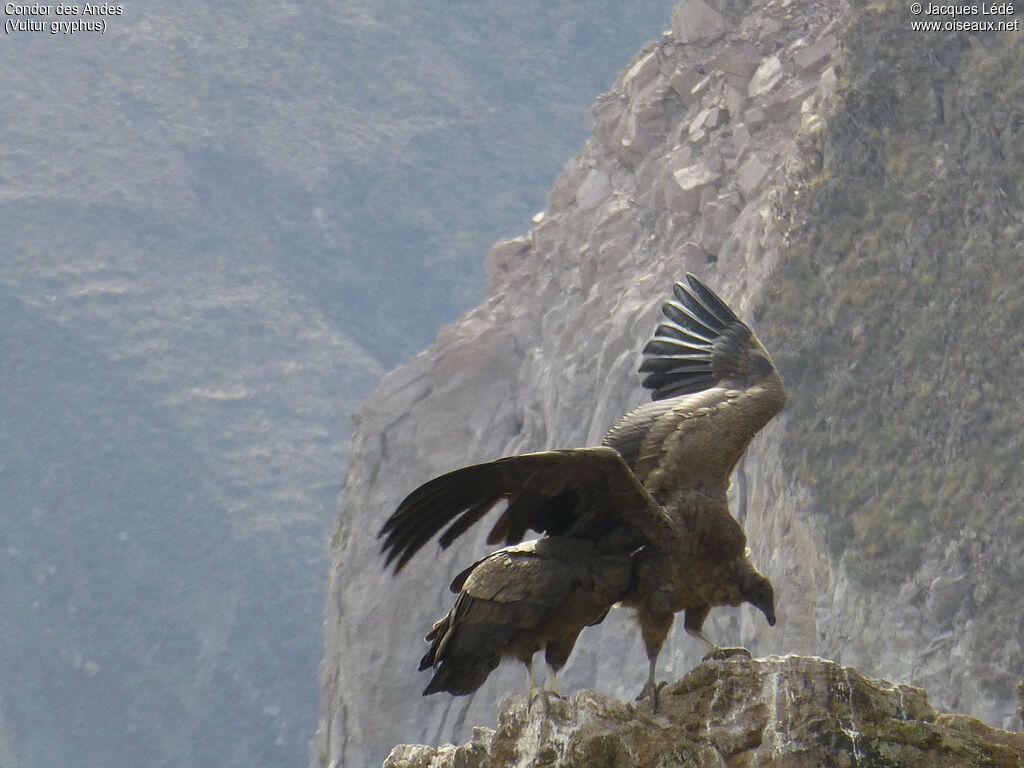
(535, 691)
(544, 696)
(651, 690)
(552, 683)
(725, 653)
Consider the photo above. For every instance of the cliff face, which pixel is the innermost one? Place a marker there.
(782, 712)
(839, 182)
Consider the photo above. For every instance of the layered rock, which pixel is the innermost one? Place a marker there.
(783, 712)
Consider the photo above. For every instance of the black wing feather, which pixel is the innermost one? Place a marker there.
(688, 322)
(677, 364)
(553, 492)
(685, 338)
(663, 347)
(432, 506)
(465, 522)
(710, 301)
(665, 387)
(684, 355)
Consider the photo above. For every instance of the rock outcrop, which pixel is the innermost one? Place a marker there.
(786, 712)
(761, 148)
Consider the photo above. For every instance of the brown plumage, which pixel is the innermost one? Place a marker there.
(651, 503)
(518, 600)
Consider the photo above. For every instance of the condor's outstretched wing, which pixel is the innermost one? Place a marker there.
(713, 387)
(579, 493)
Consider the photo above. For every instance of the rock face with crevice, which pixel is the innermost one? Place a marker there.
(785, 152)
(785, 712)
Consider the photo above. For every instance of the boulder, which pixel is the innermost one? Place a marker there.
(684, 186)
(767, 76)
(695, 20)
(750, 175)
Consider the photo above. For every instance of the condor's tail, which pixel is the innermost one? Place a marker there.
(469, 641)
(461, 669)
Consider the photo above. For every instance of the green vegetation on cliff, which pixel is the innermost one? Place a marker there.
(905, 277)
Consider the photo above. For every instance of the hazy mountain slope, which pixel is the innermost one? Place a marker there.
(220, 225)
(169, 447)
(854, 193)
(95, 524)
(336, 134)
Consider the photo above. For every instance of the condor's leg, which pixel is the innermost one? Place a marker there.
(532, 688)
(556, 654)
(654, 626)
(552, 682)
(694, 623)
(535, 690)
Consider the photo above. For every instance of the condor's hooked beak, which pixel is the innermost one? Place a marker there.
(757, 591)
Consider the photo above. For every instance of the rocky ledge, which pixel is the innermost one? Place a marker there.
(781, 711)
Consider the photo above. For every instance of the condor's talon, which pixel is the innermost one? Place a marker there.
(552, 683)
(534, 696)
(651, 690)
(719, 654)
(545, 697)
(536, 691)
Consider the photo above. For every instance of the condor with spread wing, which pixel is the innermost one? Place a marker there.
(642, 520)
